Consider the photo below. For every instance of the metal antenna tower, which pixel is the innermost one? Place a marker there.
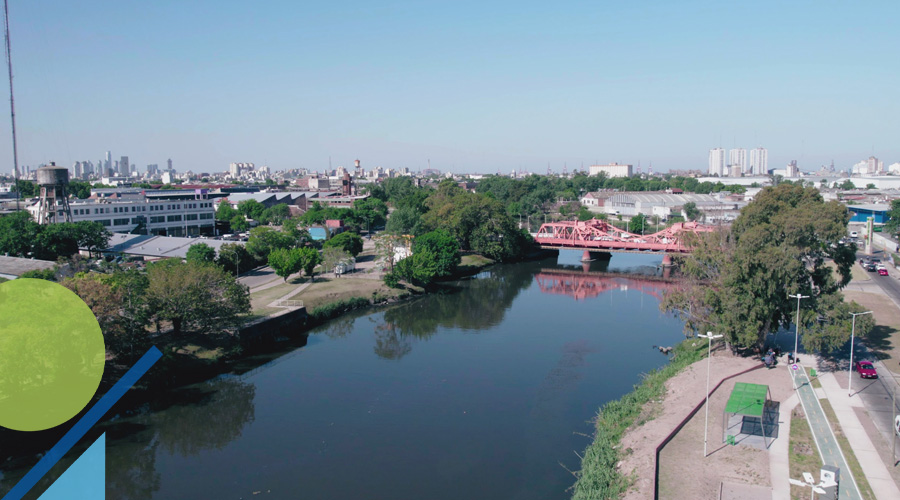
(12, 104)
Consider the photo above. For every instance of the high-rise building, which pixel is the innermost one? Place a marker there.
(169, 165)
(874, 166)
(759, 161)
(107, 165)
(717, 162)
(124, 166)
(791, 170)
(738, 157)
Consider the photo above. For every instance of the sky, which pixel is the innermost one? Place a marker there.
(467, 86)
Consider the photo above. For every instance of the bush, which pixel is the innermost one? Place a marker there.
(392, 280)
(334, 309)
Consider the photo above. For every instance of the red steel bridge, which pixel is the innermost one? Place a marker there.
(598, 236)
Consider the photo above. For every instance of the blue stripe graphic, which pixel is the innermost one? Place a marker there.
(84, 424)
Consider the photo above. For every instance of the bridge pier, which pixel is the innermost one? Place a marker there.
(667, 261)
(589, 256)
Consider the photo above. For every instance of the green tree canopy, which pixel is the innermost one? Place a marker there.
(201, 252)
(18, 232)
(234, 258)
(195, 297)
(440, 251)
(637, 224)
(276, 214)
(893, 223)
(286, 261)
(239, 223)
(691, 211)
(310, 258)
(225, 212)
(741, 278)
(349, 242)
(265, 239)
(251, 209)
(404, 220)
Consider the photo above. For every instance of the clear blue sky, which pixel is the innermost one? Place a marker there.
(472, 86)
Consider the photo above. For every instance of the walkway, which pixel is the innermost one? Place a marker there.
(828, 446)
(779, 452)
(876, 473)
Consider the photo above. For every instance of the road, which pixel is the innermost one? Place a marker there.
(877, 395)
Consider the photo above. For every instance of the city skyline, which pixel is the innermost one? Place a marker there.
(516, 87)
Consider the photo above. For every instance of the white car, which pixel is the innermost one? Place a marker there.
(854, 234)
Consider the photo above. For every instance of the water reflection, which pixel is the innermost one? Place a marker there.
(581, 285)
(204, 417)
(486, 299)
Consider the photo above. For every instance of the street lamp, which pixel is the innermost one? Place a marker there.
(710, 336)
(810, 482)
(797, 323)
(850, 368)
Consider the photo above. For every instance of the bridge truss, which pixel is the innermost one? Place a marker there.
(598, 235)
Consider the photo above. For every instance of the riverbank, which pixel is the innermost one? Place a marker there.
(601, 474)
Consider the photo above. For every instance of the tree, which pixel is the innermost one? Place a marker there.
(403, 220)
(286, 261)
(251, 209)
(637, 224)
(275, 215)
(310, 258)
(691, 211)
(440, 251)
(225, 212)
(870, 186)
(18, 232)
(847, 185)
(349, 242)
(195, 297)
(117, 300)
(893, 223)
(233, 257)
(201, 252)
(26, 189)
(740, 278)
(92, 236)
(239, 223)
(265, 239)
(56, 240)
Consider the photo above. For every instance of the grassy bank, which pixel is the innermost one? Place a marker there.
(599, 477)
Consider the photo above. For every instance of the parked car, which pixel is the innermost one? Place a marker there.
(854, 234)
(866, 369)
(882, 271)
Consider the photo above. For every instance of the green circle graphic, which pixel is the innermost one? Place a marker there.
(51, 354)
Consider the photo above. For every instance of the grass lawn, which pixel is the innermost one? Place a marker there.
(864, 489)
(803, 453)
(259, 300)
(326, 290)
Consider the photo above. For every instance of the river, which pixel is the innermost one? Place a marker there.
(484, 393)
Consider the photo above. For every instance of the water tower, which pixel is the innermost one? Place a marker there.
(54, 204)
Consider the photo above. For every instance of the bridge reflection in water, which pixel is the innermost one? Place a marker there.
(585, 285)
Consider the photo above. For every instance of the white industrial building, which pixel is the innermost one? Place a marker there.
(612, 170)
(662, 204)
(125, 213)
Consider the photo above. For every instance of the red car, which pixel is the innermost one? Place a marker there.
(866, 369)
(882, 271)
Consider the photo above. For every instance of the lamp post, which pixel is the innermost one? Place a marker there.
(852, 337)
(710, 336)
(797, 322)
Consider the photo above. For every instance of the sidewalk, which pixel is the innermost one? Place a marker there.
(826, 442)
(876, 473)
(779, 452)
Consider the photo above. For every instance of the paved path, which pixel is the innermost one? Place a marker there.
(779, 452)
(828, 446)
(876, 473)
